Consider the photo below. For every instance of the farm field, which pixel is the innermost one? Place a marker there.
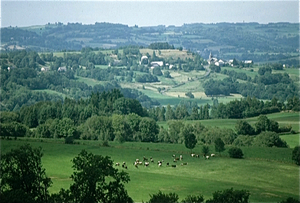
(263, 171)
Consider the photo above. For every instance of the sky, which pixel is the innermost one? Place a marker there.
(23, 13)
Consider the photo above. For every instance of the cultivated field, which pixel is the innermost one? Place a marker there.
(268, 173)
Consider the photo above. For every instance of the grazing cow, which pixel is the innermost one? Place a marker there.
(145, 159)
(183, 164)
(193, 155)
(174, 160)
(124, 165)
(168, 164)
(151, 160)
(117, 164)
(174, 166)
(197, 155)
(174, 155)
(159, 164)
(207, 157)
(146, 164)
(177, 158)
(212, 155)
(180, 157)
(137, 160)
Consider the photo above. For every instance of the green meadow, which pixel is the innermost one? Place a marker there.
(268, 173)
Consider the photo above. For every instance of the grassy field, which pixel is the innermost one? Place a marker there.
(267, 173)
(89, 81)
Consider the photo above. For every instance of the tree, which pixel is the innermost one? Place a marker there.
(205, 150)
(95, 180)
(235, 152)
(23, 179)
(169, 113)
(269, 139)
(157, 71)
(148, 129)
(296, 155)
(242, 127)
(163, 198)
(219, 145)
(190, 140)
(174, 131)
(229, 196)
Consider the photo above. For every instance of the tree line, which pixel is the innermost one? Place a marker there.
(109, 116)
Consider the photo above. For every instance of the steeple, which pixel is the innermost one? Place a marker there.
(210, 56)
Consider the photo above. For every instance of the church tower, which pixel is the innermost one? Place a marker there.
(210, 56)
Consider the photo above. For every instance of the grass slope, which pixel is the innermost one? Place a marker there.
(263, 172)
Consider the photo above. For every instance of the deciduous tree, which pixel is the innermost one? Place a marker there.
(23, 179)
(190, 140)
(219, 145)
(95, 180)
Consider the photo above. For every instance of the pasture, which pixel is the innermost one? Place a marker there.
(267, 173)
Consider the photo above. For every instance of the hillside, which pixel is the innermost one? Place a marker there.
(274, 42)
(164, 76)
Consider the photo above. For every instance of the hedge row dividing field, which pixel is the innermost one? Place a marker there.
(268, 173)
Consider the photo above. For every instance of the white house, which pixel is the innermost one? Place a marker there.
(156, 64)
(248, 61)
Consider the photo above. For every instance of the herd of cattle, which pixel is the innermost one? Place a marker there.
(146, 162)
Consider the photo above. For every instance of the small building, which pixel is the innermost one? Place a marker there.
(45, 69)
(10, 68)
(248, 62)
(156, 64)
(220, 63)
(62, 69)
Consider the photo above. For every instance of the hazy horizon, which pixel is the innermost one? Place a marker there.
(147, 13)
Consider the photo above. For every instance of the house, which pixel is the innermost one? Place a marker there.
(10, 68)
(62, 69)
(220, 63)
(248, 62)
(156, 64)
(45, 69)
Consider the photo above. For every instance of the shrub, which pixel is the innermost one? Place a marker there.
(105, 143)
(290, 200)
(161, 197)
(230, 195)
(194, 199)
(235, 152)
(69, 140)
